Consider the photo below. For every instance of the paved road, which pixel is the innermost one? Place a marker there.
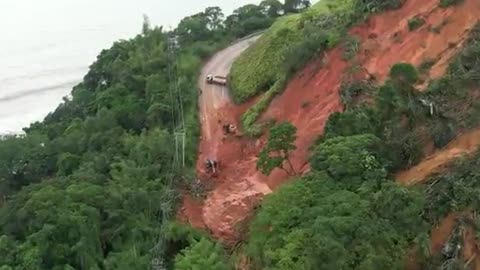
(236, 188)
(213, 96)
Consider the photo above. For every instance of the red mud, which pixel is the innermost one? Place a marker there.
(389, 41)
(471, 248)
(464, 144)
(308, 101)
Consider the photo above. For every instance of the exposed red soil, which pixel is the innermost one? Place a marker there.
(470, 249)
(464, 144)
(308, 101)
(440, 234)
(389, 41)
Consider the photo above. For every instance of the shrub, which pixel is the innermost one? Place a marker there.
(351, 47)
(415, 23)
(442, 133)
(250, 117)
(404, 148)
(349, 91)
(350, 160)
(372, 6)
(426, 65)
(258, 67)
(203, 254)
(354, 122)
(404, 72)
(447, 3)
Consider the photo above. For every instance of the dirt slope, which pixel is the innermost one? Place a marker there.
(464, 144)
(307, 102)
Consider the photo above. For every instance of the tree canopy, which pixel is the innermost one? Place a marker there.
(276, 152)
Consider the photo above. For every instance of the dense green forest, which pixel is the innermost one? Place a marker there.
(94, 185)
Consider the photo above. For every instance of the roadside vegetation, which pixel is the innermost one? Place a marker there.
(447, 3)
(290, 44)
(95, 185)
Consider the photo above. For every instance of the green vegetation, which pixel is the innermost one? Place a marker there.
(347, 213)
(351, 93)
(290, 43)
(280, 143)
(454, 191)
(392, 117)
(404, 118)
(457, 90)
(250, 117)
(327, 220)
(94, 185)
(426, 65)
(447, 3)
(350, 47)
(438, 28)
(203, 254)
(415, 23)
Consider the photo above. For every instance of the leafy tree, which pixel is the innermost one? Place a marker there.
(67, 163)
(295, 5)
(279, 145)
(146, 24)
(202, 255)
(247, 19)
(352, 161)
(372, 6)
(404, 73)
(193, 28)
(25, 159)
(215, 18)
(362, 120)
(314, 224)
(272, 8)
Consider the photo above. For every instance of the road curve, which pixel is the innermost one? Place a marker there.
(238, 187)
(214, 96)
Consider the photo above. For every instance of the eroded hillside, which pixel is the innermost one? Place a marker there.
(312, 96)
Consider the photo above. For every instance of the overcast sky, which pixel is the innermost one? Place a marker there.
(18, 15)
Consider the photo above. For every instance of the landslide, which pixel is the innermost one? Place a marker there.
(454, 53)
(311, 97)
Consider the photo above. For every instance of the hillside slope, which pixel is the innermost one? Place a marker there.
(313, 95)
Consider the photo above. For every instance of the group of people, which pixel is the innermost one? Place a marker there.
(211, 165)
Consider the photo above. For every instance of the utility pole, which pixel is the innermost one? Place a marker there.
(179, 136)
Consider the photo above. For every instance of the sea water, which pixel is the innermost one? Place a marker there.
(47, 46)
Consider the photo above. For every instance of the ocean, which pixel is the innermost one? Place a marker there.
(47, 46)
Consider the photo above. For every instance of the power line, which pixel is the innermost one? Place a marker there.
(179, 136)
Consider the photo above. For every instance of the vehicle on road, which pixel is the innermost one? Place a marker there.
(220, 80)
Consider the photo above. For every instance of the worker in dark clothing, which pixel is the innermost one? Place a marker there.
(229, 128)
(226, 128)
(211, 166)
